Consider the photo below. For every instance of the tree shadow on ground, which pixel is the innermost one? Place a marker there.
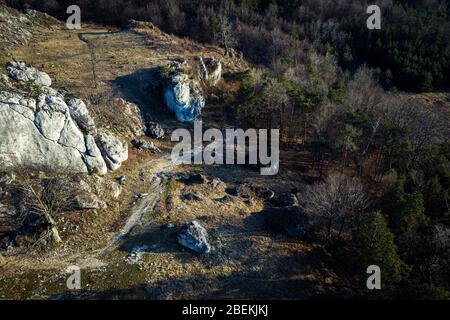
(253, 284)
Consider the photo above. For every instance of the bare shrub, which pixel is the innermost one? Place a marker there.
(334, 205)
(45, 196)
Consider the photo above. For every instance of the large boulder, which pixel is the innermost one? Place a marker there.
(114, 151)
(289, 221)
(183, 97)
(194, 237)
(40, 132)
(21, 72)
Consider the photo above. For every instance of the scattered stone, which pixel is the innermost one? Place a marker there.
(191, 196)
(289, 221)
(154, 130)
(121, 179)
(139, 196)
(216, 183)
(21, 72)
(7, 178)
(145, 145)
(135, 257)
(104, 187)
(194, 237)
(249, 201)
(226, 199)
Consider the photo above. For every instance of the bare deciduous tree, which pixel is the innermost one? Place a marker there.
(47, 198)
(224, 34)
(335, 204)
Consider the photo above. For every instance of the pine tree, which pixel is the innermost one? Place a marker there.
(374, 245)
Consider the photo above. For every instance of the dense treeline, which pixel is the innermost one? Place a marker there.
(412, 51)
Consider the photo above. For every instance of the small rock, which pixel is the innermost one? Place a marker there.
(154, 130)
(145, 145)
(194, 237)
(138, 196)
(191, 196)
(86, 201)
(121, 179)
(226, 199)
(216, 182)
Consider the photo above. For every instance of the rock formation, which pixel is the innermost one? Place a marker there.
(43, 131)
(183, 97)
(194, 237)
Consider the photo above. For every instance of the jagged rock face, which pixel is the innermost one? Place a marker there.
(134, 117)
(183, 98)
(194, 237)
(80, 114)
(47, 133)
(41, 133)
(113, 150)
(21, 72)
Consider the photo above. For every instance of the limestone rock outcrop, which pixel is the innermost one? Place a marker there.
(46, 132)
(21, 72)
(183, 97)
(114, 151)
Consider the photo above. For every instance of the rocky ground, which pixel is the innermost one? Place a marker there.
(129, 235)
